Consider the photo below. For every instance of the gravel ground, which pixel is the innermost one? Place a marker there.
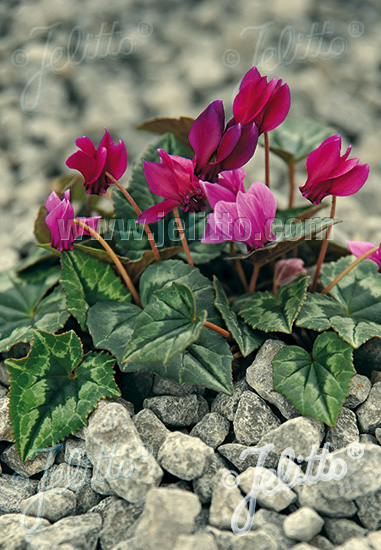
(70, 68)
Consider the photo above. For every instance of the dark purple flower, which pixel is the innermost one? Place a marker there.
(172, 178)
(218, 148)
(60, 221)
(94, 163)
(265, 103)
(332, 174)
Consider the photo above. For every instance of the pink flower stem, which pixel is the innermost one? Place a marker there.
(115, 259)
(291, 173)
(348, 269)
(267, 159)
(138, 212)
(254, 278)
(183, 238)
(323, 249)
(239, 268)
(217, 329)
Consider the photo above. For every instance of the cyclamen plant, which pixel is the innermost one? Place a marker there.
(104, 295)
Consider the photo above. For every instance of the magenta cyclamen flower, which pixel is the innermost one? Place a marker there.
(265, 103)
(60, 221)
(94, 163)
(173, 179)
(247, 220)
(332, 174)
(218, 148)
(226, 187)
(286, 271)
(358, 248)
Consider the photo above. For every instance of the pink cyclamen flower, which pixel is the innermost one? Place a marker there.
(265, 103)
(94, 163)
(226, 187)
(358, 248)
(247, 220)
(172, 178)
(286, 271)
(218, 148)
(60, 221)
(332, 174)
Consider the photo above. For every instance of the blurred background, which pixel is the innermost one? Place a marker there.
(70, 67)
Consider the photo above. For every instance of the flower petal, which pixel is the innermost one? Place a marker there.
(206, 133)
(84, 163)
(158, 211)
(351, 182)
(86, 145)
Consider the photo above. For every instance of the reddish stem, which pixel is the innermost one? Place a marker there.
(267, 159)
(323, 249)
(254, 278)
(218, 329)
(183, 238)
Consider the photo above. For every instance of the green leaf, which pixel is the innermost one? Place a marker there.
(86, 281)
(23, 307)
(111, 325)
(354, 308)
(158, 275)
(264, 311)
(289, 235)
(318, 383)
(247, 339)
(166, 326)
(207, 362)
(297, 137)
(54, 389)
(179, 127)
(298, 212)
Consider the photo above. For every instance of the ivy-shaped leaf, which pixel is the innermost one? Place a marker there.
(24, 307)
(247, 339)
(111, 325)
(158, 275)
(289, 235)
(317, 383)
(264, 311)
(179, 127)
(87, 281)
(167, 326)
(297, 137)
(354, 308)
(54, 389)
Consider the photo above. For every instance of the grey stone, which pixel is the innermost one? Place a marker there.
(52, 505)
(13, 490)
(233, 452)
(358, 391)
(259, 539)
(374, 540)
(276, 495)
(253, 419)
(260, 377)
(184, 456)
(75, 479)
(80, 531)
(15, 528)
(167, 514)
(303, 546)
(75, 453)
(303, 524)
(39, 463)
(367, 438)
(199, 541)
(369, 510)
(369, 413)
(3, 391)
(226, 405)
(161, 386)
(310, 495)
(151, 430)
(212, 429)
(203, 486)
(340, 530)
(363, 473)
(224, 539)
(345, 431)
(272, 522)
(132, 472)
(178, 412)
(377, 434)
(355, 543)
(4, 375)
(301, 434)
(321, 542)
(119, 518)
(226, 498)
(5, 425)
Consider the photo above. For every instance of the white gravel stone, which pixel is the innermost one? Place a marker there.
(303, 524)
